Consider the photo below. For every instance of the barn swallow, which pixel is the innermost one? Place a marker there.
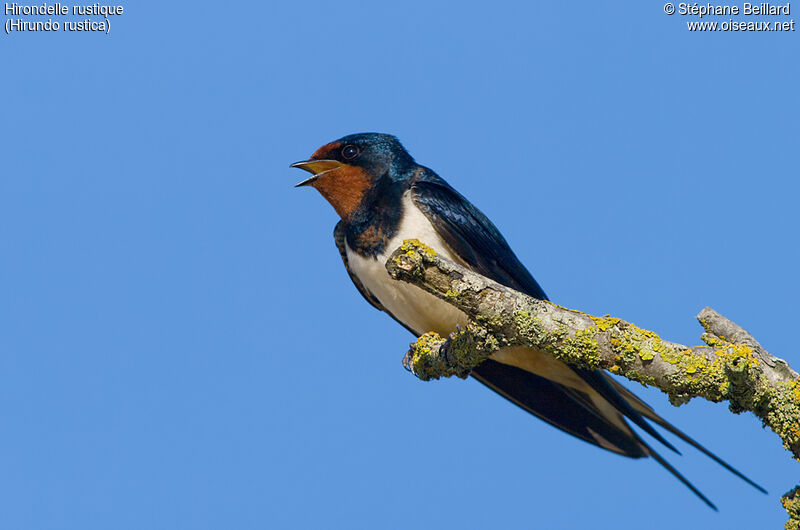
(384, 197)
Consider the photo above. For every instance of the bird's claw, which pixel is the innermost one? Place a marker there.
(408, 361)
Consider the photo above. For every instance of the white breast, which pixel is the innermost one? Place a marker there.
(423, 312)
(415, 308)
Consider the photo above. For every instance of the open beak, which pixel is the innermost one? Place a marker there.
(316, 168)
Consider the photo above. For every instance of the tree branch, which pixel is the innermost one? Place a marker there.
(732, 366)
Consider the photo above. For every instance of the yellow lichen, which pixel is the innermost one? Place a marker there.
(605, 323)
(629, 341)
(791, 503)
(411, 246)
(646, 355)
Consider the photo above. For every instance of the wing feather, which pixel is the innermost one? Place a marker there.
(478, 242)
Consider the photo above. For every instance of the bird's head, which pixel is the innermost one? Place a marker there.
(347, 170)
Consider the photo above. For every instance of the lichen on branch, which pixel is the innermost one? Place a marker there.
(732, 366)
(791, 503)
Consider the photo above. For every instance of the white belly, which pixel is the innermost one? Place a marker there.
(417, 309)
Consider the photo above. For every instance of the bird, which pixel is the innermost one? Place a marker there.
(384, 197)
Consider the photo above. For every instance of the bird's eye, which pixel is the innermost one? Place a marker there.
(350, 152)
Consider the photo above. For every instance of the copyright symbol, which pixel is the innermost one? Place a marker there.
(669, 8)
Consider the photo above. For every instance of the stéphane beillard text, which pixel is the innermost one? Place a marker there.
(747, 9)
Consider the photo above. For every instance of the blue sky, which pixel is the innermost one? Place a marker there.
(181, 348)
